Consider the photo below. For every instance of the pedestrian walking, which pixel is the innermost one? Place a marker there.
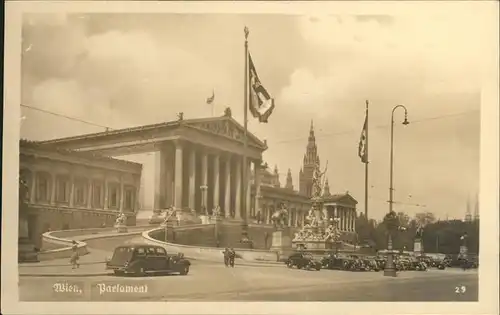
(226, 254)
(232, 256)
(74, 257)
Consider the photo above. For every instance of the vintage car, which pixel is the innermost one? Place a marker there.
(303, 260)
(146, 259)
(336, 261)
(371, 264)
(357, 263)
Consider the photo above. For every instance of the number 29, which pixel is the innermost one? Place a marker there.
(460, 289)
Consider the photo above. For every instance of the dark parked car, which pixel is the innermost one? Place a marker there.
(303, 260)
(336, 261)
(146, 259)
(371, 263)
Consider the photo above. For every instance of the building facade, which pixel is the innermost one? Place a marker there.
(72, 190)
(298, 202)
(198, 167)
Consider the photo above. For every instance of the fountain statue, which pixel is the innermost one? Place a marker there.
(280, 217)
(317, 232)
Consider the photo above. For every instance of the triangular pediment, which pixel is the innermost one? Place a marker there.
(342, 198)
(225, 127)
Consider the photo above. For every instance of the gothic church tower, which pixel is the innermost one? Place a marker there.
(310, 159)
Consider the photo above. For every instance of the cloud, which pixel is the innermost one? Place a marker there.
(125, 71)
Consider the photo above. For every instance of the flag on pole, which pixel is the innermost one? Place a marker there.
(362, 150)
(211, 99)
(261, 103)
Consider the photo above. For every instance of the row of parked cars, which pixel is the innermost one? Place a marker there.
(352, 262)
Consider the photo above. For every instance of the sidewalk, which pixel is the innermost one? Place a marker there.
(92, 264)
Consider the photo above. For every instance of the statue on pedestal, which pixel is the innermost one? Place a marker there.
(169, 212)
(280, 217)
(216, 212)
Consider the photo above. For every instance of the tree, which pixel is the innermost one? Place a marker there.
(424, 218)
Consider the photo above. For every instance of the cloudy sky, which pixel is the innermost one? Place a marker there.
(122, 70)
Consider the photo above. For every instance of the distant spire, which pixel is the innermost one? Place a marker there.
(289, 181)
(326, 190)
(276, 177)
(468, 215)
(476, 208)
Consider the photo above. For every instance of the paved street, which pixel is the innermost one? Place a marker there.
(254, 282)
(209, 281)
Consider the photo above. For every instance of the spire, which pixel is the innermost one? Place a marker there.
(468, 215)
(476, 208)
(276, 176)
(326, 190)
(289, 182)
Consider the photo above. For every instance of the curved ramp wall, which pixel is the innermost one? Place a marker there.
(205, 252)
(60, 243)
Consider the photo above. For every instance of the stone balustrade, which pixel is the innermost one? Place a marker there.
(208, 253)
(64, 242)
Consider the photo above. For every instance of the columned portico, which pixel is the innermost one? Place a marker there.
(192, 179)
(190, 154)
(204, 180)
(237, 183)
(216, 174)
(178, 175)
(227, 186)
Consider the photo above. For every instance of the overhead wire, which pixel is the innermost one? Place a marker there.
(323, 135)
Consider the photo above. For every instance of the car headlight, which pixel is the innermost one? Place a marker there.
(126, 264)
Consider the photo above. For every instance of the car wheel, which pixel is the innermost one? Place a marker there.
(318, 268)
(140, 272)
(299, 266)
(185, 270)
(289, 264)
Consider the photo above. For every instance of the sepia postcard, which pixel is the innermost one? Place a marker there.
(250, 157)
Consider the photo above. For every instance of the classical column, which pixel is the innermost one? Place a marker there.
(237, 173)
(192, 178)
(178, 176)
(297, 214)
(290, 215)
(216, 181)
(267, 214)
(160, 178)
(204, 180)
(122, 190)
(227, 190)
(248, 197)
(32, 188)
(257, 187)
(53, 189)
(106, 193)
(89, 193)
(72, 191)
(353, 220)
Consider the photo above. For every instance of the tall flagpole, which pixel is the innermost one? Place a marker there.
(245, 141)
(366, 163)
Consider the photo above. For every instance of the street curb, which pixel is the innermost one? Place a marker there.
(61, 265)
(65, 274)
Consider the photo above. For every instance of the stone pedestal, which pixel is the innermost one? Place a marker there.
(281, 243)
(205, 219)
(121, 228)
(418, 248)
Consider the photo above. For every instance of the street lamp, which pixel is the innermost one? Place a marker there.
(390, 270)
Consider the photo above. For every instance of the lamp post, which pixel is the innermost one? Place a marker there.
(390, 270)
